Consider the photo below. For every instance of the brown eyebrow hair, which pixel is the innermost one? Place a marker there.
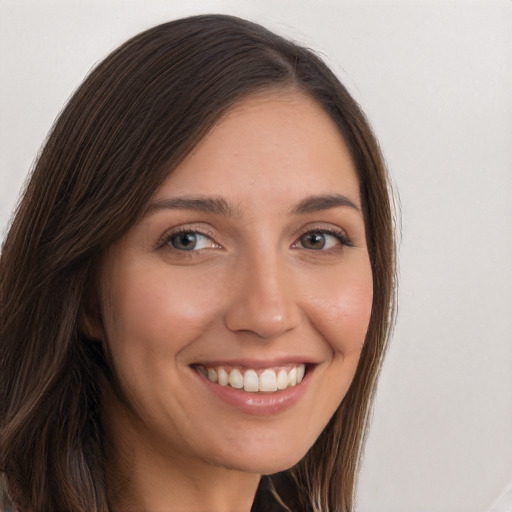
(323, 202)
(218, 205)
(209, 204)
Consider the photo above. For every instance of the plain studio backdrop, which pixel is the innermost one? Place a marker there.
(435, 79)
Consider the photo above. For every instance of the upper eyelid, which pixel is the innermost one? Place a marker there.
(323, 228)
(342, 237)
(210, 233)
(184, 229)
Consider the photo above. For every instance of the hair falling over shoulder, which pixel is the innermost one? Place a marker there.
(131, 122)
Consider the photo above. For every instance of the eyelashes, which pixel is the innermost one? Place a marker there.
(191, 240)
(323, 240)
(188, 240)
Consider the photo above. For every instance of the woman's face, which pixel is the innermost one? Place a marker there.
(236, 309)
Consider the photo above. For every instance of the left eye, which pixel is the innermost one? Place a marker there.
(319, 240)
(190, 241)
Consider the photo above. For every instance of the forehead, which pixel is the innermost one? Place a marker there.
(276, 144)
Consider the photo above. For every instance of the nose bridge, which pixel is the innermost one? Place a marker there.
(264, 301)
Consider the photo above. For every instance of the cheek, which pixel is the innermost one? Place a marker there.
(151, 309)
(341, 312)
(151, 317)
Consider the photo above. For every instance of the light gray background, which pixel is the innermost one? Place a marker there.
(435, 79)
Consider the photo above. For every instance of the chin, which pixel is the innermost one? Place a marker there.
(264, 462)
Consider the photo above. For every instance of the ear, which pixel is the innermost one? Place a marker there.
(90, 322)
(91, 328)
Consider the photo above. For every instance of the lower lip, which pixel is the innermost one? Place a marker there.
(258, 404)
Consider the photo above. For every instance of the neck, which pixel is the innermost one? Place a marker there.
(158, 491)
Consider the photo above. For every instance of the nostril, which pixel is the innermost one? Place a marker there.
(263, 320)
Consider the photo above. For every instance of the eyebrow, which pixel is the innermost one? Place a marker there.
(218, 205)
(208, 204)
(317, 203)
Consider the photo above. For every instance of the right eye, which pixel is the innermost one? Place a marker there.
(190, 241)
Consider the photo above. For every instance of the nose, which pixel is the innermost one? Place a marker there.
(263, 301)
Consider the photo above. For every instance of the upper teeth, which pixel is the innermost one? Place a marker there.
(267, 379)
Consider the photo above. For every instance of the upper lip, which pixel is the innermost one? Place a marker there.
(257, 363)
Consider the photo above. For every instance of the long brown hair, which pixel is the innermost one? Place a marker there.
(131, 122)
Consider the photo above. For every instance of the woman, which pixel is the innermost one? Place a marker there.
(197, 286)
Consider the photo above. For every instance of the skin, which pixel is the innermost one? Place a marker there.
(253, 288)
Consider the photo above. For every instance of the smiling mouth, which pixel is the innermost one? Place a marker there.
(266, 380)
